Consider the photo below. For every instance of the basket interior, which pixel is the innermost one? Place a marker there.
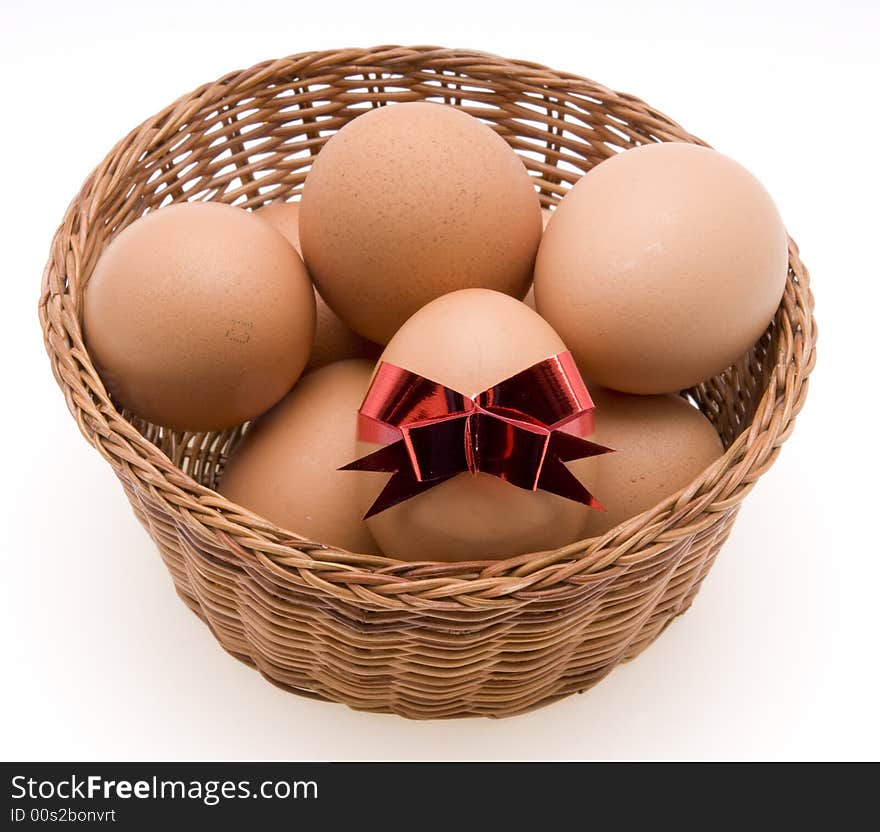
(250, 138)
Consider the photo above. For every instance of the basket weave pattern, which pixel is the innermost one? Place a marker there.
(418, 639)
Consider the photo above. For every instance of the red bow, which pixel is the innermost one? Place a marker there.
(522, 430)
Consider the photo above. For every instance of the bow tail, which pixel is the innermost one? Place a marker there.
(555, 476)
(400, 487)
(557, 479)
(403, 483)
(568, 447)
(392, 457)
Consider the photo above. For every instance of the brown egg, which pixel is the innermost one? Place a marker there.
(284, 216)
(529, 299)
(286, 466)
(661, 267)
(334, 341)
(199, 316)
(410, 202)
(469, 341)
(661, 445)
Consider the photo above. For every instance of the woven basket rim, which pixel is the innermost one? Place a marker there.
(381, 580)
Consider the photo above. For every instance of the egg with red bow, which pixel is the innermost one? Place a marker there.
(474, 410)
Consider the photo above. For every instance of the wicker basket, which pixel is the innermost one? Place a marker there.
(417, 639)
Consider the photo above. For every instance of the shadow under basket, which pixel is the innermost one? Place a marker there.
(421, 640)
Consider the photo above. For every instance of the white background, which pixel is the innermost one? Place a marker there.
(778, 657)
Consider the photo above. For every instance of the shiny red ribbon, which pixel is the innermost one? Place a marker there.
(522, 429)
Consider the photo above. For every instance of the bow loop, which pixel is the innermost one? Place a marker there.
(399, 399)
(550, 393)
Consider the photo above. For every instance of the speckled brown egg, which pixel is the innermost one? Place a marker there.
(334, 341)
(661, 443)
(410, 202)
(470, 340)
(286, 466)
(199, 316)
(661, 267)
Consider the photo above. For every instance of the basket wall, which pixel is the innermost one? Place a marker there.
(420, 640)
